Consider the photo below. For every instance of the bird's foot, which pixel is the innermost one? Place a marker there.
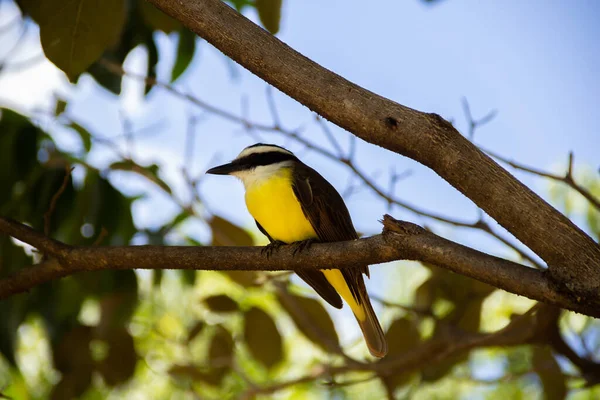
(271, 247)
(303, 245)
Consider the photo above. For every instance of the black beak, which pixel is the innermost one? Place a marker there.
(224, 169)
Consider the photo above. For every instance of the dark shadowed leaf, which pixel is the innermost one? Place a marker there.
(402, 336)
(221, 303)
(243, 278)
(227, 234)
(156, 19)
(220, 355)
(195, 330)
(186, 371)
(188, 276)
(73, 359)
(553, 380)
(120, 363)
(186, 48)
(269, 12)
(262, 337)
(75, 33)
(150, 172)
(84, 134)
(60, 107)
(311, 318)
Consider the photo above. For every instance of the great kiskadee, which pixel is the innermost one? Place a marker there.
(292, 202)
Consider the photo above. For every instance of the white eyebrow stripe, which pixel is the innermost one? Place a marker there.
(262, 149)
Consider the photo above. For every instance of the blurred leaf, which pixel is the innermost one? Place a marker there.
(84, 134)
(243, 278)
(470, 316)
(73, 359)
(262, 337)
(188, 276)
(220, 355)
(156, 19)
(195, 330)
(120, 363)
(553, 380)
(402, 337)
(221, 303)
(186, 47)
(75, 33)
(311, 318)
(425, 295)
(269, 12)
(227, 234)
(60, 107)
(150, 172)
(188, 371)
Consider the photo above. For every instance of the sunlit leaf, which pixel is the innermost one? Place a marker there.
(262, 337)
(269, 12)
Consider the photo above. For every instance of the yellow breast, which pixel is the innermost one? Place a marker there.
(273, 204)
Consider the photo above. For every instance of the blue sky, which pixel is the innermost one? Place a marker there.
(535, 62)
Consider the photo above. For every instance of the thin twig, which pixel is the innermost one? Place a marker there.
(567, 179)
(59, 192)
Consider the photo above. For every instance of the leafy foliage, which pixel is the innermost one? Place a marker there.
(220, 335)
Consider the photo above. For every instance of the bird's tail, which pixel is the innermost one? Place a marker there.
(370, 327)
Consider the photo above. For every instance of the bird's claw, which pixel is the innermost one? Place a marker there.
(302, 245)
(271, 247)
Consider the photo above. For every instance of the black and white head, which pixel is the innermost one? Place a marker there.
(256, 163)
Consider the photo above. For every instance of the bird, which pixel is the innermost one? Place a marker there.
(292, 203)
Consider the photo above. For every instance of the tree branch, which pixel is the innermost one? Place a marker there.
(399, 241)
(573, 257)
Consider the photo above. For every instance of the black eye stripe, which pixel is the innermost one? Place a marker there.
(258, 159)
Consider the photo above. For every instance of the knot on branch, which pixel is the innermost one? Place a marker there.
(392, 225)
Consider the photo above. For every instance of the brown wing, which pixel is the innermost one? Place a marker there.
(328, 215)
(315, 279)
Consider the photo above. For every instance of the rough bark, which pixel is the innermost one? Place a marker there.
(572, 256)
(399, 241)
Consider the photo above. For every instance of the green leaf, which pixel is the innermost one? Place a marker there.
(186, 48)
(72, 357)
(221, 303)
(150, 172)
(84, 134)
(156, 19)
(118, 367)
(402, 336)
(220, 354)
(75, 33)
(262, 337)
(196, 329)
(227, 234)
(269, 12)
(60, 107)
(311, 318)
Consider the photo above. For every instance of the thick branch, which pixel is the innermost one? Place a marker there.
(399, 241)
(572, 256)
